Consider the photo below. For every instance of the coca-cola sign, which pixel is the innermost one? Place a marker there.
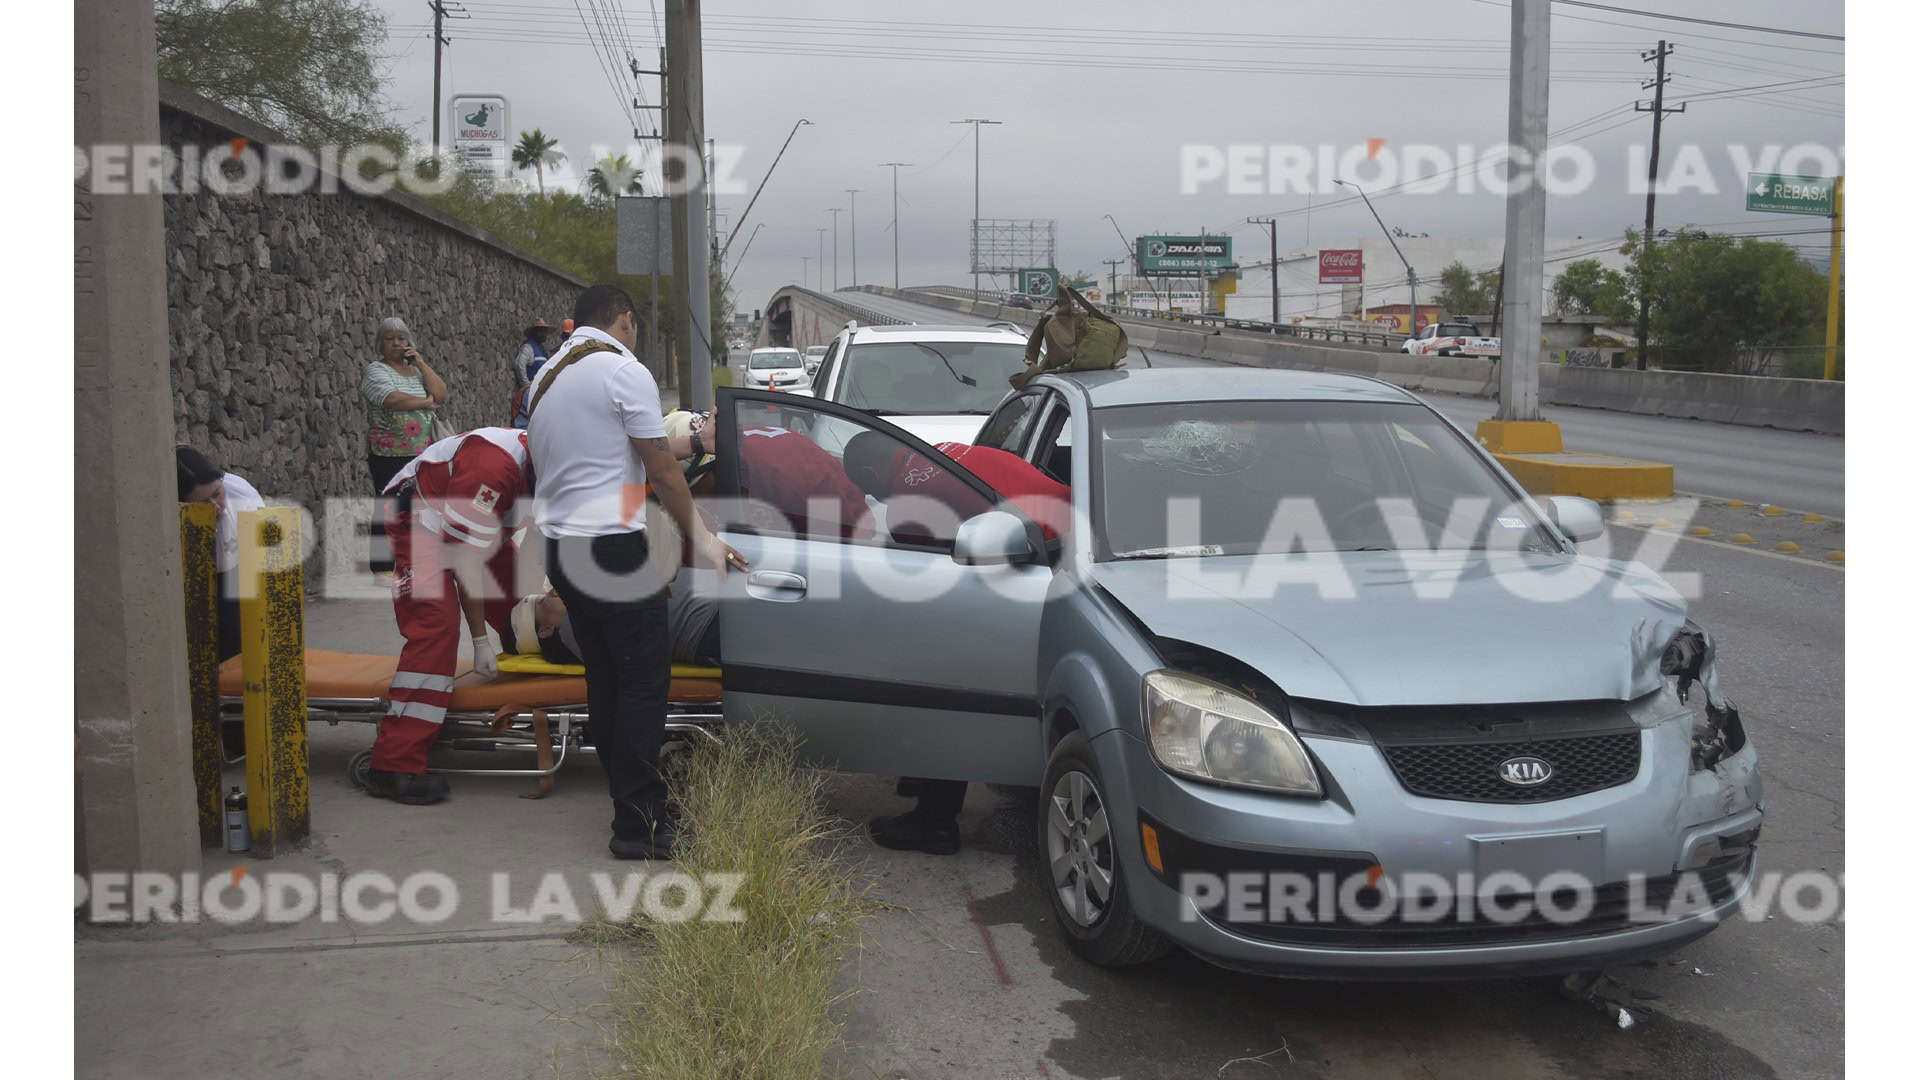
(1339, 266)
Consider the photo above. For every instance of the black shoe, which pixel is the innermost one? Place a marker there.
(660, 846)
(909, 787)
(905, 832)
(414, 789)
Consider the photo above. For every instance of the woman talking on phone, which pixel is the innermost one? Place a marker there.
(402, 394)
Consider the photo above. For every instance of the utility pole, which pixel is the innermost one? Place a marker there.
(1833, 278)
(1524, 259)
(713, 209)
(853, 237)
(686, 119)
(440, 12)
(820, 260)
(656, 356)
(973, 232)
(804, 260)
(1113, 277)
(835, 211)
(1133, 257)
(738, 225)
(895, 166)
(1413, 280)
(1273, 253)
(1659, 86)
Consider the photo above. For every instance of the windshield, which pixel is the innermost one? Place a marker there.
(1277, 476)
(760, 361)
(816, 350)
(930, 377)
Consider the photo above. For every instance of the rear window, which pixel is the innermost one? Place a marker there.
(760, 361)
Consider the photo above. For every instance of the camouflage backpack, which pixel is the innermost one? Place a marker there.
(1077, 336)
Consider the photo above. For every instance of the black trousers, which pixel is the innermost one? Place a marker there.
(628, 655)
(384, 468)
(940, 802)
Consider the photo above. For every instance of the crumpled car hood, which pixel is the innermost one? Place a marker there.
(1599, 637)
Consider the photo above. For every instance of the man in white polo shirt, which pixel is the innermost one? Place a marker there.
(598, 443)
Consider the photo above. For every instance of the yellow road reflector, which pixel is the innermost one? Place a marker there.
(1662, 523)
(1627, 515)
(1787, 547)
(1811, 518)
(1701, 530)
(1837, 556)
(1736, 503)
(1742, 538)
(1771, 511)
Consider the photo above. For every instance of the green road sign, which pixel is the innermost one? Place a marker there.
(1041, 283)
(1778, 193)
(1183, 254)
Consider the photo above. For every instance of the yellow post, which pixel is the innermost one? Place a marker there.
(1833, 278)
(273, 665)
(202, 581)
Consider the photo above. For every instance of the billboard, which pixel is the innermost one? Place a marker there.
(1183, 254)
(479, 123)
(1040, 283)
(1340, 266)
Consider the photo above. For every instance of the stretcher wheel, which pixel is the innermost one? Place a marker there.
(676, 757)
(358, 768)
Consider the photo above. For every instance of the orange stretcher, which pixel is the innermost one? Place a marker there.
(532, 705)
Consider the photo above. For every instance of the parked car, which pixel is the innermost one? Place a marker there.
(776, 369)
(1359, 656)
(1020, 300)
(1453, 337)
(813, 355)
(938, 382)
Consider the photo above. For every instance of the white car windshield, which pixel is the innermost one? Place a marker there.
(1270, 477)
(930, 378)
(761, 361)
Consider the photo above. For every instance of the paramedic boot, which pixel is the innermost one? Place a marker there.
(414, 789)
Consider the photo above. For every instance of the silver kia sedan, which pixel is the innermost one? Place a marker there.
(1306, 683)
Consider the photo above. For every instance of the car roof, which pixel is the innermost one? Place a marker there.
(1220, 382)
(776, 348)
(932, 332)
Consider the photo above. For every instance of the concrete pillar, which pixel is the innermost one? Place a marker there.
(1526, 213)
(134, 780)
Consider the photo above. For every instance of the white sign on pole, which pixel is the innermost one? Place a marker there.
(480, 125)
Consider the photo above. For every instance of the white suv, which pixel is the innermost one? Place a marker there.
(937, 382)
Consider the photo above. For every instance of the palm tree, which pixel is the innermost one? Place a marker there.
(536, 152)
(615, 175)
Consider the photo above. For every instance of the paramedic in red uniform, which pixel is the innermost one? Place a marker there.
(452, 560)
(788, 471)
(888, 471)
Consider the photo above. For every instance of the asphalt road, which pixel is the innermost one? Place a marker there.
(964, 975)
(1794, 469)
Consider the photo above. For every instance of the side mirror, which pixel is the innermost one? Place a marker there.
(1579, 518)
(992, 538)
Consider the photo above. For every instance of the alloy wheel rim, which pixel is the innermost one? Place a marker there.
(1080, 848)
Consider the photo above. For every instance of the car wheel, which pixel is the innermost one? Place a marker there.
(1082, 874)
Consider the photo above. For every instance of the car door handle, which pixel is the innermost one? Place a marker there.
(776, 585)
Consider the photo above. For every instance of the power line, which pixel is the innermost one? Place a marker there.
(1701, 22)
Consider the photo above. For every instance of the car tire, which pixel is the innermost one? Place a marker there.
(1107, 933)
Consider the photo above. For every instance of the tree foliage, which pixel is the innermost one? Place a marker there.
(309, 68)
(1723, 303)
(1585, 287)
(1463, 292)
(538, 151)
(614, 175)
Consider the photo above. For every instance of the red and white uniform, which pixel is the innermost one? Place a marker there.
(787, 470)
(1039, 496)
(461, 493)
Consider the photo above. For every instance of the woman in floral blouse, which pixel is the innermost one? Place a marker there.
(402, 394)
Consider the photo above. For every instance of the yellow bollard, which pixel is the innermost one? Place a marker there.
(202, 582)
(273, 664)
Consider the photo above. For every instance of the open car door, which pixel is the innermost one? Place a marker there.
(856, 624)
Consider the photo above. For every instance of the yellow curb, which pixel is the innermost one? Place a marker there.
(1735, 503)
(1837, 556)
(1519, 436)
(1701, 530)
(1770, 511)
(1811, 518)
(1787, 547)
(1593, 476)
(1741, 538)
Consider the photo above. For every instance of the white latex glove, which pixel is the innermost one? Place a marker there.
(485, 663)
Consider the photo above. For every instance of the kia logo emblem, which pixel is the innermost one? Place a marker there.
(1525, 771)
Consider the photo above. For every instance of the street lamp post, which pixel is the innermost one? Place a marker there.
(1413, 301)
(853, 237)
(973, 234)
(738, 225)
(895, 166)
(835, 211)
(1134, 257)
(820, 260)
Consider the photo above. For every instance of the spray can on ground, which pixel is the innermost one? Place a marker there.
(236, 804)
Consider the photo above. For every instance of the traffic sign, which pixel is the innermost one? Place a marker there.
(1779, 193)
(1041, 283)
(1183, 254)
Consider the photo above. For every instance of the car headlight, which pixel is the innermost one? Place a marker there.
(1204, 730)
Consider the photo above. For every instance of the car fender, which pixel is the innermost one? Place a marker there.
(1093, 655)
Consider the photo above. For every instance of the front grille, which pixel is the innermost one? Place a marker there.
(1470, 771)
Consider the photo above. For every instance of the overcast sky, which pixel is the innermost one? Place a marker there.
(1097, 101)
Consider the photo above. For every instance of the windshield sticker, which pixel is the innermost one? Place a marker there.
(1511, 523)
